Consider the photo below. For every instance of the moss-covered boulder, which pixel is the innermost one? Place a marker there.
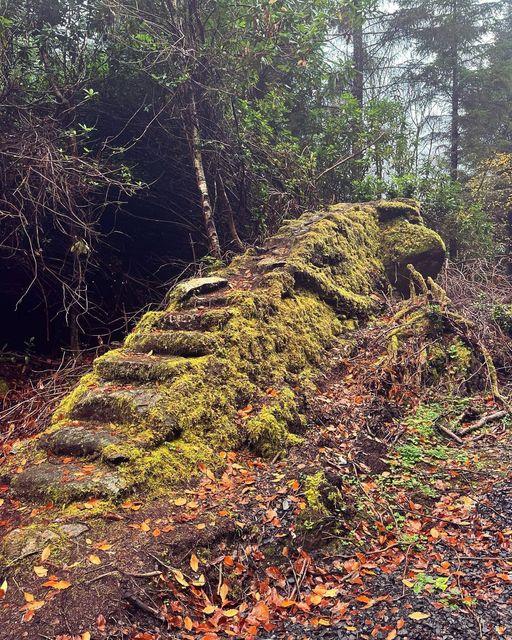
(230, 360)
(406, 240)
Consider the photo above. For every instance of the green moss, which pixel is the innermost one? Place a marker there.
(323, 502)
(118, 365)
(338, 259)
(403, 242)
(273, 333)
(391, 209)
(268, 432)
(174, 343)
(460, 356)
(167, 466)
(88, 382)
(313, 486)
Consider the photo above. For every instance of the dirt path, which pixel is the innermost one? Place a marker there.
(377, 527)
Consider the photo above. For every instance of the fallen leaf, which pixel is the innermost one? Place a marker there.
(419, 615)
(101, 623)
(230, 613)
(194, 562)
(94, 559)
(42, 572)
(45, 554)
(261, 612)
(180, 578)
(223, 592)
(179, 502)
(208, 610)
(57, 584)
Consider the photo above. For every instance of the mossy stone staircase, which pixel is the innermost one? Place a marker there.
(229, 360)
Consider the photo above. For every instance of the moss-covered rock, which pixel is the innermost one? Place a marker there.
(230, 359)
(173, 343)
(405, 243)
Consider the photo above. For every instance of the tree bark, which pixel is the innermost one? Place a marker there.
(230, 216)
(194, 140)
(358, 56)
(455, 100)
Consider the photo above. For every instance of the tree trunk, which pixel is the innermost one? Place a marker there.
(358, 55)
(194, 140)
(455, 100)
(358, 80)
(230, 216)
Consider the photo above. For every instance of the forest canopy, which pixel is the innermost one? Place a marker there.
(144, 139)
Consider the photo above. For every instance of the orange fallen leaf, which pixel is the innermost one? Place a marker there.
(57, 584)
(261, 612)
(223, 592)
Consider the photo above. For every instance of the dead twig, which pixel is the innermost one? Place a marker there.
(142, 606)
(450, 434)
(490, 417)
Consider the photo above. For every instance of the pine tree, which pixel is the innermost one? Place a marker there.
(486, 125)
(449, 40)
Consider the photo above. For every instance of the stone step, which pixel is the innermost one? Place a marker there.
(80, 439)
(198, 320)
(198, 287)
(124, 366)
(173, 343)
(68, 481)
(127, 404)
(212, 301)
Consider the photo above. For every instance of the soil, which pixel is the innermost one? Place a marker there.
(413, 547)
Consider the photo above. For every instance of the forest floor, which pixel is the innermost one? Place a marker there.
(416, 544)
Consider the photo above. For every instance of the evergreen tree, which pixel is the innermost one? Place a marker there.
(487, 120)
(449, 40)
